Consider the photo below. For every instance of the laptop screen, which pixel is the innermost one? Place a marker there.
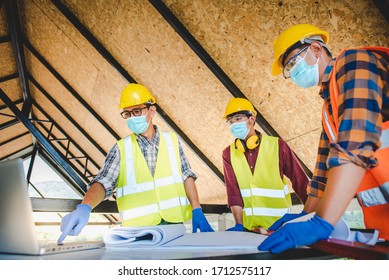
(17, 233)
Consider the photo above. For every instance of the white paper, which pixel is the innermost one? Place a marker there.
(125, 237)
(219, 240)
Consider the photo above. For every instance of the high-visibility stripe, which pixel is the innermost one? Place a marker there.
(172, 156)
(131, 180)
(153, 208)
(161, 182)
(147, 186)
(138, 188)
(265, 192)
(385, 139)
(375, 196)
(329, 127)
(173, 202)
(139, 211)
(261, 211)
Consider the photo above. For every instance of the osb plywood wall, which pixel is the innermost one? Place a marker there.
(237, 34)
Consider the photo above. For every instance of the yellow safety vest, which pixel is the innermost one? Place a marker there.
(144, 200)
(266, 196)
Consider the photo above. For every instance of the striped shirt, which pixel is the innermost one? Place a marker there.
(108, 174)
(363, 82)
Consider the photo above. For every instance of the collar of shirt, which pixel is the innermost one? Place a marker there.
(145, 143)
(326, 79)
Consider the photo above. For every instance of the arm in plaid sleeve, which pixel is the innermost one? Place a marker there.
(361, 90)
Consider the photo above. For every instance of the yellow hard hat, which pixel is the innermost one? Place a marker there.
(237, 104)
(291, 36)
(135, 94)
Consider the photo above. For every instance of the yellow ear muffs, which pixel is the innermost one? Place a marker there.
(240, 145)
(251, 143)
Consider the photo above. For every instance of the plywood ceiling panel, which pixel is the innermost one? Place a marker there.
(12, 131)
(15, 146)
(7, 60)
(3, 23)
(239, 36)
(145, 44)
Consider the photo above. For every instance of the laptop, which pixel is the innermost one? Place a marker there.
(17, 228)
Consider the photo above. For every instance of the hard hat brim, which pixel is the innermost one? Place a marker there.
(275, 69)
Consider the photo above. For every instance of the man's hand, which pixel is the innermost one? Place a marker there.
(297, 234)
(286, 218)
(74, 222)
(200, 222)
(237, 227)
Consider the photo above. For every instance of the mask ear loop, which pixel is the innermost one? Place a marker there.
(148, 124)
(317, 61)
(253, 141)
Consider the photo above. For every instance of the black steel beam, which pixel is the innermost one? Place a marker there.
(18, 153)
(42, 140)
(62, 131)
(214, 67)
(65, 176)
(9, 124)
(9, 77)
(70, 88)
(108, 57)
(66, 114)
(14, 120)
(68, 205)
(207, 59)
(15, 138)
(5, 39)
(68, 138)
(2, 107)
(31, 165)
(383, 7)
(13, 21)
(65, 148)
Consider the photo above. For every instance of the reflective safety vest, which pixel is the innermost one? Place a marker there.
(373, 192)
(144, 200)
(266, 196)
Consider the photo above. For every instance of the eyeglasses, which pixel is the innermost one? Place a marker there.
(292, 62)
(236, 118)
(135, 112)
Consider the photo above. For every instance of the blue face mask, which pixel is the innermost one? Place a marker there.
(303, 75)
(239, 130)
(138, 125)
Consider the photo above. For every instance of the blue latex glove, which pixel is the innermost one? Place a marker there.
(286, 218)
(237, 227)
(297, 234)
(200, 222)
(74, 222)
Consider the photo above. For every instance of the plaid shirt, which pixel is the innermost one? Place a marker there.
(363, 81)
(109, 173)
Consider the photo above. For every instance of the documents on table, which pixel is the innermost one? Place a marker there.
(175, 236)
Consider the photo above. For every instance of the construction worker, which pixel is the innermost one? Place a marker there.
(148, 169)
(353, 150)
(254, 169)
